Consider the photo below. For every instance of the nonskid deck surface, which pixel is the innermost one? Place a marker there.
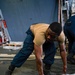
(29, 67)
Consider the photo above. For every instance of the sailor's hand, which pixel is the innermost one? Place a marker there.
(64, 69)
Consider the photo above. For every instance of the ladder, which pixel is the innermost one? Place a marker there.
(4, 26)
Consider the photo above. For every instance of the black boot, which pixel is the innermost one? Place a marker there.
(70, 59)
(10, 70)
(46, 69)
